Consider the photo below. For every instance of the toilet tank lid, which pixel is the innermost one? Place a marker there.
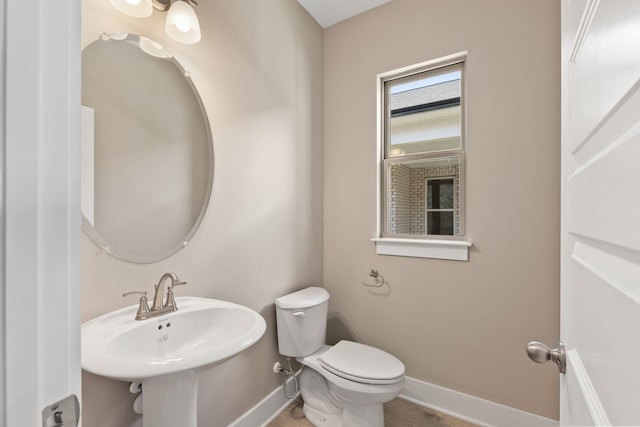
(305, 298)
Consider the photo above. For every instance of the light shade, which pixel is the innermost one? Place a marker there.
(135, 8)
(182, 23)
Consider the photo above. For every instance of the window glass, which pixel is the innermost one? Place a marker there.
(424, 113)
(440, 193)
(420, 188)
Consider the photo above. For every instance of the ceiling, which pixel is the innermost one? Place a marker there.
(329, 12)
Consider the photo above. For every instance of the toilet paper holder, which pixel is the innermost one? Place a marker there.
(379, 280)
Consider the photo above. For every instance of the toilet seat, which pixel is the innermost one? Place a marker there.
(362, 363)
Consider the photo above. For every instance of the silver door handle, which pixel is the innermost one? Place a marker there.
(541, 353)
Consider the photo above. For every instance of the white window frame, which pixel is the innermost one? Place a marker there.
(443, 247)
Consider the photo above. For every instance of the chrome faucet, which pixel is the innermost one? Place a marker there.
(160, 306)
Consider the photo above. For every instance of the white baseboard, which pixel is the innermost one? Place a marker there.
(469, 408)
(450, 402)
(266, 410)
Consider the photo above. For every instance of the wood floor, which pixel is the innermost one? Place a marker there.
(397, 413)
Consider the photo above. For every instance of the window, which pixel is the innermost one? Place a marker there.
(421, 188)
(440, 210)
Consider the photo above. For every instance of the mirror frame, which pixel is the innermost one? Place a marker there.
(153, 48)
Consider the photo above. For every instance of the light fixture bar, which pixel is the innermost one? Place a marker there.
(161, 5)
(164, 5)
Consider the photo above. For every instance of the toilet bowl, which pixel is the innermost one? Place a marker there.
(343, 385)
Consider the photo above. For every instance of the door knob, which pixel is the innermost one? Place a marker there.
(541, 353)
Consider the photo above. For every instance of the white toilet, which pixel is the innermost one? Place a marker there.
(344, 385)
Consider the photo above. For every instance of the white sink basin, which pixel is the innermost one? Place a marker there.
(203, 332)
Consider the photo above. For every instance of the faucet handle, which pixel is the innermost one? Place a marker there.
(173, 285)
(171, 301)
(143, 307)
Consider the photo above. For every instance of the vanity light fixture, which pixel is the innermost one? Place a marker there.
(181, 24)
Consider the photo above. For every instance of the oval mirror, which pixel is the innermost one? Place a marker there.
(147, 152)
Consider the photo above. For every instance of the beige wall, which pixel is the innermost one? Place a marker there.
(259, 71)
(461, 325)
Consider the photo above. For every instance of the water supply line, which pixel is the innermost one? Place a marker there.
(277, 368)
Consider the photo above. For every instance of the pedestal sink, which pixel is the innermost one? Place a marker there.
(166, 352)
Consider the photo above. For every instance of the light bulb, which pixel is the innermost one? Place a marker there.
(182, 24)
(135, 8)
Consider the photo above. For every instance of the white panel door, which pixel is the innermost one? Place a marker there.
(600, 322)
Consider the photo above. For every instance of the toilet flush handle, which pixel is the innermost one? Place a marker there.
(298, 313)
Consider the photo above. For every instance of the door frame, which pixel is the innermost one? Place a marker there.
(40, 207)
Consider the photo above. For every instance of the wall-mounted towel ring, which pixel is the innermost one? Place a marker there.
(377, 277)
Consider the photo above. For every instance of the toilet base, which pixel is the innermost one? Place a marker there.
(325, 408)
(319, 419)
(368, 416)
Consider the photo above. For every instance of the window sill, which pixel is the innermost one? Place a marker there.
(455, 250)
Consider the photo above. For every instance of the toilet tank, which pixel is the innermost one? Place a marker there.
(302, 321)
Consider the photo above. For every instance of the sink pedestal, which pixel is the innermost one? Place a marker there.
(170, 400)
